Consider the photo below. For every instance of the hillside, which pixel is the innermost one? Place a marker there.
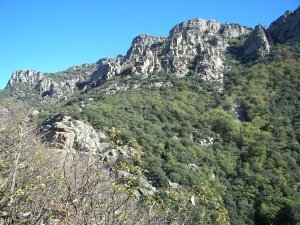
(208, 117)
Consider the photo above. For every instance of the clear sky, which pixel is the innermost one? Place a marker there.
(52, 35)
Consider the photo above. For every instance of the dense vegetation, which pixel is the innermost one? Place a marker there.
(238, 149)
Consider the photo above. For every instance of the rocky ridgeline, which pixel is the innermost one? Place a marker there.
(196, 47)
(51, 87)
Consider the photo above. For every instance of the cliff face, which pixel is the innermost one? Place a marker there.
(257, 45)
(196, 46)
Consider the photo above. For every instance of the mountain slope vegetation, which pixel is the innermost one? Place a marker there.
(253, 160)
(211, 112)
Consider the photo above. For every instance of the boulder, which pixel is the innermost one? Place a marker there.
(64, 133)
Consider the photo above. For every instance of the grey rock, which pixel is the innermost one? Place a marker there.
(193, 201)
(257, 45)
(29, 77)
(107, 68)
(146, 189)
(207, 142)
(239, 111)
(173, 185)
(212, 176)
(50, 87)
(111, 156)
(196, 46)
(64, 133)
(193, 167)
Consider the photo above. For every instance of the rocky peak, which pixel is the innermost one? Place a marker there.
(257, 45)
(29, 77)
(286, 28)
(233, 30)
(200, 26)
(196, 45)
(49, 87)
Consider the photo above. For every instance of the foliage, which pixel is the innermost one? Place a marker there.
(241, 169)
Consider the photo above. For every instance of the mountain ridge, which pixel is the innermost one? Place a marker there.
(207, 118)
(195, 41)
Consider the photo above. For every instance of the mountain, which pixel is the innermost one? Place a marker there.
(201, 126)
(195, 46)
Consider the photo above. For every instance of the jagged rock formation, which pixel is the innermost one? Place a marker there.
(64, 133)
(193, 46)
(286, 28)
(196, 47)
(50, 87)
(257, 45)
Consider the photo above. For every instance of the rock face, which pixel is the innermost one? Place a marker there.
(286, 28)
(50, 87)
(257, 45)
(196, 46)
(67, 134)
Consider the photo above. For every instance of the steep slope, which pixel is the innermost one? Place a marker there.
(230, 154)
(286, 28)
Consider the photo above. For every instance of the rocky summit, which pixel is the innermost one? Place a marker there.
(196, 46)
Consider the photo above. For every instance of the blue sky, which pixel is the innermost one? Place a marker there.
(52, 35)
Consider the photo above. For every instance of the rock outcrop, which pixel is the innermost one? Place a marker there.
(286, 28)
(50, 87)
(196, 46)
(257, 45)
(64, 133)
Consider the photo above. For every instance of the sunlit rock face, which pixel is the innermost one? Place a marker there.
(49, 87)
(64, 133)
(196, 46)
(257, 45)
